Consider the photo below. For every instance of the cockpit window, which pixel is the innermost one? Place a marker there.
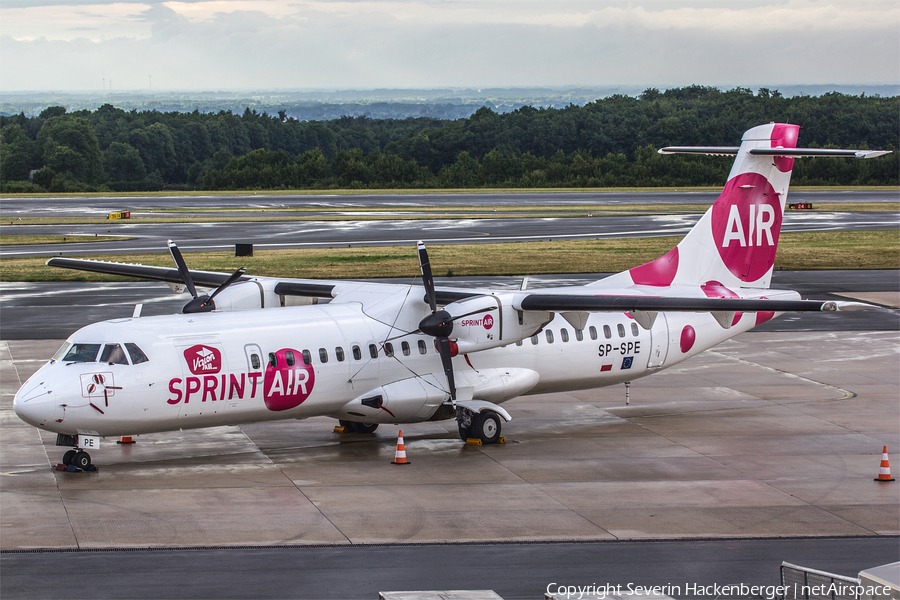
(61, 352)
(137, 355)
(82, 353)
(114, 355)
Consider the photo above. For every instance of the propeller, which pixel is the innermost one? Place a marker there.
(205, 302)
(439, 324)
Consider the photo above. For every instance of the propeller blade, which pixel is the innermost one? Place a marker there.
(427, 279)
(443, 344)
(182, 268)
(231, 279)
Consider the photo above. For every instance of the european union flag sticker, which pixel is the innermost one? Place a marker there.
(626, 362)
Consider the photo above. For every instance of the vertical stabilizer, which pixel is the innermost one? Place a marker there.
(735, 242)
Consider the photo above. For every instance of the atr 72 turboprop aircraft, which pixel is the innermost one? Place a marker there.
(262, 349)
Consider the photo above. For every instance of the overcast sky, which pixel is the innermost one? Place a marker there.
(323, 44)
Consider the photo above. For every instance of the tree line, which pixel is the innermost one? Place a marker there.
(610, 142)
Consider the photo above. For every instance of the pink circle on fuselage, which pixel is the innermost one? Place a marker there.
(287, 386)
(746, 223)
(688, 337)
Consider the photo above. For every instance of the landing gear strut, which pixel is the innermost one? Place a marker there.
(484, 426)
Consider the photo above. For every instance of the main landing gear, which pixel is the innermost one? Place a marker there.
(484, 426)
(354, 427)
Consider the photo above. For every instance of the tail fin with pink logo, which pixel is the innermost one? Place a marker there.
(735, 241)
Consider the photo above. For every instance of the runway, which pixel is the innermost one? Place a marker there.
(197, 234)
(94, 206)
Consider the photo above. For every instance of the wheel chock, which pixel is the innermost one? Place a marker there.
(92, 468)
(473, 442)
(340, 429)
(60, 467)
(502, 440)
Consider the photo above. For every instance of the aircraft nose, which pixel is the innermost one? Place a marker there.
(33, 404)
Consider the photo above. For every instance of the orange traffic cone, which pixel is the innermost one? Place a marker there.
(885, 473)
(125, 439)
(400, 456)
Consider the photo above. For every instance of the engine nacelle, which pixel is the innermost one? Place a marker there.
(406, 401)
(490, 321)
(254, 294)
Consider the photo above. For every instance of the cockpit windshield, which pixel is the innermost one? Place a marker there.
(82, 353)
(112, 354)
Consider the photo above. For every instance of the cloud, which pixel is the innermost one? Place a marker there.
(271, 44)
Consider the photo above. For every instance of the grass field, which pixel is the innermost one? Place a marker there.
(879, 249)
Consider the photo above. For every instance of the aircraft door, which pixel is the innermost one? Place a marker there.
(255, 366)
(659, 342)
(363, 350)
(205, 373)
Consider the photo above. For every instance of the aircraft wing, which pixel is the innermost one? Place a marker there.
(529, 301)
(614, 303)
(169, 275)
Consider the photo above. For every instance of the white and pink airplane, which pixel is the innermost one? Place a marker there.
(264, 349)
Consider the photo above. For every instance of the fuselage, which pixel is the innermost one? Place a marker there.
(151, 374)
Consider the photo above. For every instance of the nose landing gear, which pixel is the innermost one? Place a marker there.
(75, 460)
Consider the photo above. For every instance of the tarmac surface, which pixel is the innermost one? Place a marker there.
(769, 435)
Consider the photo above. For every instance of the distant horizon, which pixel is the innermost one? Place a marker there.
(451, 88)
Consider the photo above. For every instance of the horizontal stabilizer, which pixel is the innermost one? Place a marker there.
(794, 152)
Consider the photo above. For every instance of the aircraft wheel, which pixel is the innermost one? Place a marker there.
(486, 426)
(82, 460)
(363, 427)
(68, 457)
(464, 433)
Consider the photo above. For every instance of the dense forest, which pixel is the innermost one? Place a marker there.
(609, 142)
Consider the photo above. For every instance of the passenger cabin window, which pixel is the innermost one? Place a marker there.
(357, 353)
(137, 355)
(339, 353)
(273, 360)
(423, 347)
(634, 330)
(593, 331)
(534, 340)
(82, 353)
(549, 335)
(254, 361)
(373, 350)
(289, 358)
(579, 334)
(564, 335)
(388, 349)
(307, 357)
(114, 355)
(607, 332)
(405, 347)
(621, 329)
(323, 355)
